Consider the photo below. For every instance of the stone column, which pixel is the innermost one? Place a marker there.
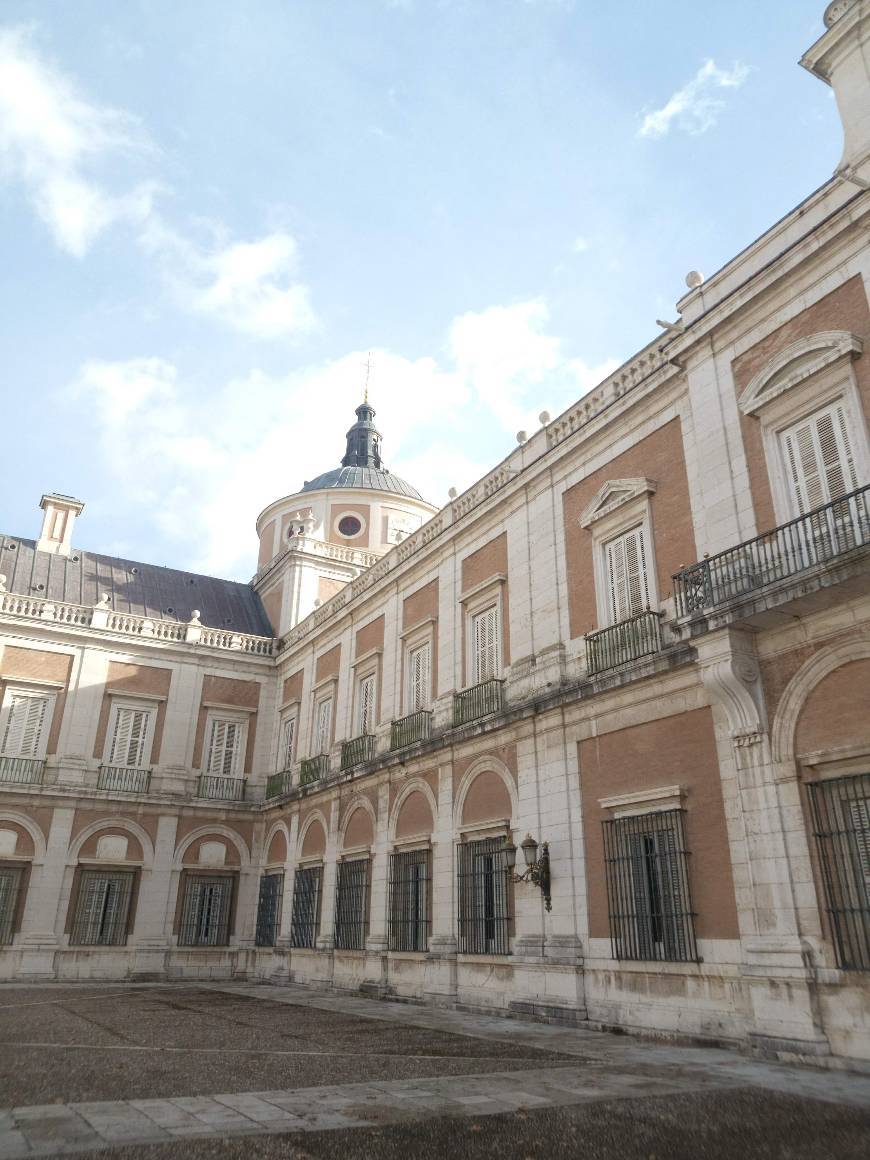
(440, 976)
(42, 926)
(776, 962)
(153, 922)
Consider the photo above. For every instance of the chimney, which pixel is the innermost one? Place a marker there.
(57, 524)
(841, 58)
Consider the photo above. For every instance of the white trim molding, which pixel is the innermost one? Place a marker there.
(796, 363)
(613, 495)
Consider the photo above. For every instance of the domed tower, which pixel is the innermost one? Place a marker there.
(314, 541)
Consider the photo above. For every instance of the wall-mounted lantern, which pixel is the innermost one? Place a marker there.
(537, 869)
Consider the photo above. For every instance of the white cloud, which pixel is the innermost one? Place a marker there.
(694, 108)
(53, 141)
(64, 150)
(580, 245)
(202, 475)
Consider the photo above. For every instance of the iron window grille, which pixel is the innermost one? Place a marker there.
(305, 922)
(648, 899)
(10, 889)
(841, 825)
(485, 897)
(410, 878)
(102, 908)
(269, 909)
(352, 905)
(205, 919)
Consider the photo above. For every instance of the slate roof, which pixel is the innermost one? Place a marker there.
(363, 477)
(133, 587)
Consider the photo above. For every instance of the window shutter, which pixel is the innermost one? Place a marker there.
(486, 645)
(819, 459)
(128, 738)
(25, 724)
(224, 748)
(10, 882)
(287, 746)
(324, 723)
(419, 677)
(627, 575)
(861, 828)
(366, 704)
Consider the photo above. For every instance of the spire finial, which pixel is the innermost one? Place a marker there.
(368, 365)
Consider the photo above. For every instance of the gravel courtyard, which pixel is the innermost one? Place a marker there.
(143, 1072)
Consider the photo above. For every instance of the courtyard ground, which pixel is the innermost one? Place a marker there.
(164, 1072)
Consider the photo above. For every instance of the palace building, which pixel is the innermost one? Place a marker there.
(590, 743)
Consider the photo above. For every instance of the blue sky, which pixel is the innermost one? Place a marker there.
(210, 211)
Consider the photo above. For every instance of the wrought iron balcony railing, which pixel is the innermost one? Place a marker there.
(22, 770)
(313, 768)
(639, 636)
(406, 730)
(357, 750)
(279, 783)
(223, 789)
(478, 701)
(126, 778)
(819, 537)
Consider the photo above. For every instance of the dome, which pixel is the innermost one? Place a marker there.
(362, 466)
(375, 478)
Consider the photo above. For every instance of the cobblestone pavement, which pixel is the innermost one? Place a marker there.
(226, 1070)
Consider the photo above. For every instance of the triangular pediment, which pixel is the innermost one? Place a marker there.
(614, 494)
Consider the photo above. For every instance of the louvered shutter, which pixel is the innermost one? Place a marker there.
(860, 811)
(819, 460)
(366, 704)
(287, 743)
(25, 725)
(10, 882)
(419, 677)
(128, 737)
(627, 575)
(324, 724)
(224, 748)
(486, 645)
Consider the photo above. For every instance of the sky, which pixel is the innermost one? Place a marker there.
(211, 211)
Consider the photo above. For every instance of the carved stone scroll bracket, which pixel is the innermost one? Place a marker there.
(730, 672)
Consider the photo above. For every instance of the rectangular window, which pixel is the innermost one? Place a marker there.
(484, 897)
(102, 908)
(626, 576)
(25, 728)
(366, 704)
(269, 909)
(129, 733)
(409, 900)
(841, 821)
(486, 645)
(10, 889)
(305, 924)
(288, 737)
(225, 746)
(205, 919)
(419, 677)
(352, 905)
(648, 888)
(323, 726)
(820, 466)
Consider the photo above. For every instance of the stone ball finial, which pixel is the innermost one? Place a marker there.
(194, 617)
(522, 437)
(104, 601)
(694, 279)
(544, 418)
(452, 493)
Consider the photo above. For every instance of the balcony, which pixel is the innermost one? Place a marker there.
(406, 730)
(278, 784)
(823, 536)
(478, 701)
(22, 770)
(357, 750)
(313, 769)
(125, 778)
(221, 789)
(629, 640)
